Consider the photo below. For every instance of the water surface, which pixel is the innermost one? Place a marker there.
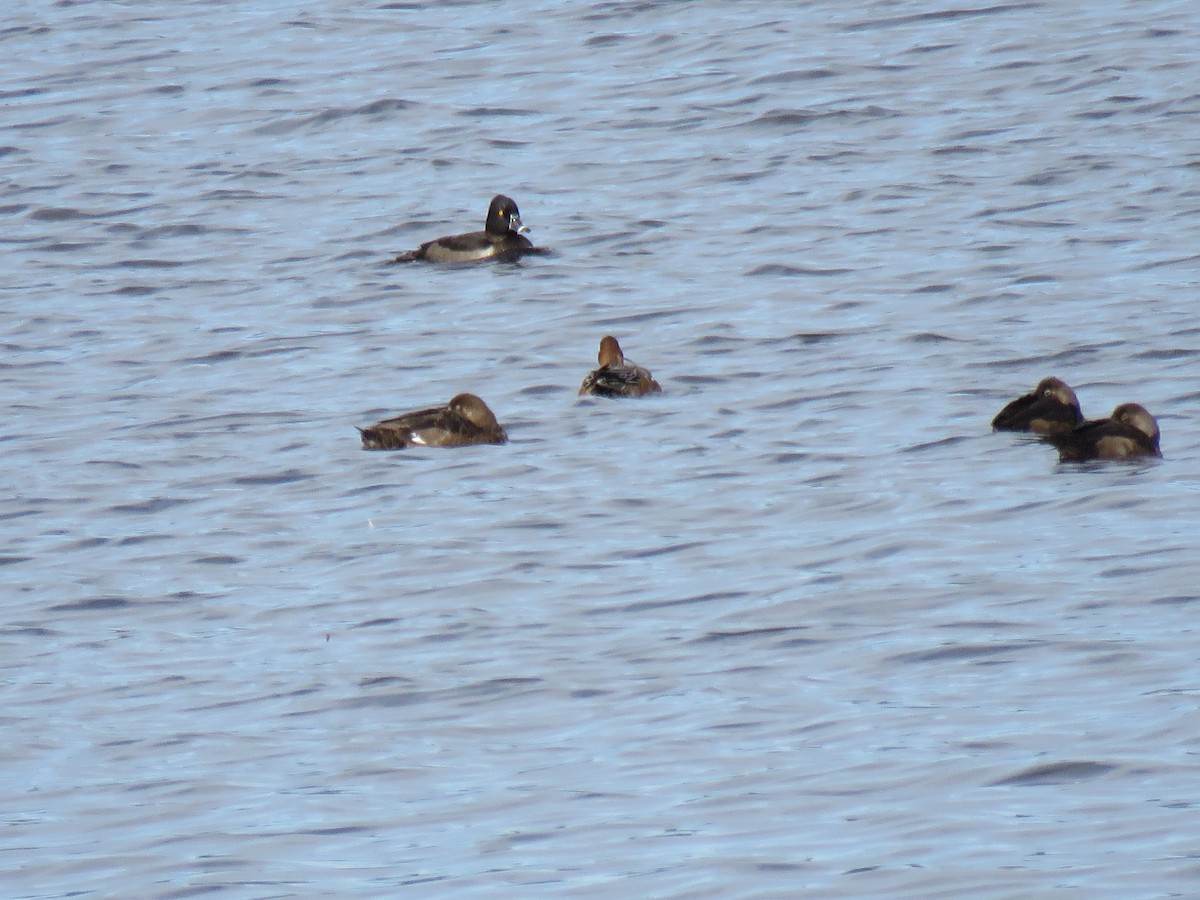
(800, 625)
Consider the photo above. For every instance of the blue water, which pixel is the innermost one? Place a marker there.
(802, 625)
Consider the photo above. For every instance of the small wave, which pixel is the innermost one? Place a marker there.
(795, 271)
(1056, 773)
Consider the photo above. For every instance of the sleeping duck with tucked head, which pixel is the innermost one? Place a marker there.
(463, 422)
(1129, 433)
(503, 237)
(1051, 408)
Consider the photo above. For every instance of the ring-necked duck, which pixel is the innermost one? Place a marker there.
(617, 377)
(465, 420)
(1052, 408)
(503, 237)
(1129, 432)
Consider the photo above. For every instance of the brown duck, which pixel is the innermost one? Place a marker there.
(1128, 433)
(617, 377)
(1052, 408)
(463, 421)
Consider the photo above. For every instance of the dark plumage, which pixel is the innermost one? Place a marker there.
(617, 377)
(1052, 408)
(1128, 433)
(503, 237)
(463, 421)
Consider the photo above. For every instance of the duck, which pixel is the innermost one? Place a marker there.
(1130, 432)
(1051, 408)
(618, 377)
(503, 237)
(464, 421)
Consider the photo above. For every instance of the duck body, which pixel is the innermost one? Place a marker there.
(1129, 433)
(1051, 408)
(464, 421)
(616, 376)
(503, 237)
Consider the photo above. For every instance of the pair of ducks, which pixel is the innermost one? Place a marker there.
(467, 420)
(1052, 410)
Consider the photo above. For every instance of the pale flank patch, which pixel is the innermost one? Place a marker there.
(1115, 447)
